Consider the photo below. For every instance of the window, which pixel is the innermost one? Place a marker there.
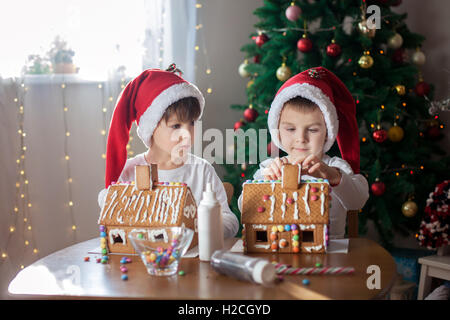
(117, 238)
(307, 236)
(105, 34)
(261, 236)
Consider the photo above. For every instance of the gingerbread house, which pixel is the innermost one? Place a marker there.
(143, 204)
(290, 215)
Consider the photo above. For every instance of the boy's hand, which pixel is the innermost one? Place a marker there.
(273, 171)
(313, 166)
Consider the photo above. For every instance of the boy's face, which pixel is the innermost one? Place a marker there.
(174, 137)
(302, 133)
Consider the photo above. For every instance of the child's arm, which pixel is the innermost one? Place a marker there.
(352, 190)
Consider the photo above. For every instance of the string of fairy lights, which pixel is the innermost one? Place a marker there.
(69, 178)
(22, 202)
(21, 215)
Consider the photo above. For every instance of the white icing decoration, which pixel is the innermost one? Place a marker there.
(313, 248)
(295, 194)
(152, 234)
(305, 199)
(307, 226)
(137, 201)
(153, 207)
(117, 232)
(169, 204)
(142, 200)
(263, 246)
(113, 198)
(299, 166)
(273, 186)
(283, 206)
(177, 210)
(272, 207)
(259, 226)
(189, 211)
(161, 204)
(119, 217)
(147, 206)
(322, 203)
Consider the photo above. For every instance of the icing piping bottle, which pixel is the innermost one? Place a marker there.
(243, 267)
(210, 225)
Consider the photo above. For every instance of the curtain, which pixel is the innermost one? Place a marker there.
(53, 127)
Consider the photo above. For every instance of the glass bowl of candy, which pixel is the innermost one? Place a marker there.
(161, 248)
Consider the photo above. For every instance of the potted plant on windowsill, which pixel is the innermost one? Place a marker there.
(61, 57)
(37, 65)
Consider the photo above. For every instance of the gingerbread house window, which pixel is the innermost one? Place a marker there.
(261, 236)
(307, 236)
(117, 238)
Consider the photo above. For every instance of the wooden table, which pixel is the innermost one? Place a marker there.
(65, 274)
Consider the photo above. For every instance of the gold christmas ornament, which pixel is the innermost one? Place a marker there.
(395, 41)
(365, 30)
(284, 72)
(409, 209)
(401, 90)
(395, 133)
(242, 72)
(366, 61)
(418, 58)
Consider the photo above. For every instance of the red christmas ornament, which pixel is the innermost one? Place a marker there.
(293, 12)
(261, 39)
(422, 88)
(257, 58)
(333, 49)
(400, 56)
(380, 135)
(238, 125)
(250, 114)
(433, 132)
(378, 188)
(304, 44)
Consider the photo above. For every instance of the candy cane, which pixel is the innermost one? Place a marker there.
(284, 269)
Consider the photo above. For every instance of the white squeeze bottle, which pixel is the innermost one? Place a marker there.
(210, 226)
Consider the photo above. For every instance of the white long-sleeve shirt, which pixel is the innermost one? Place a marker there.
(196, 173)
(351, 193)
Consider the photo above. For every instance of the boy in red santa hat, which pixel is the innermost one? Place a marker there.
(165, 108)
(310, 111)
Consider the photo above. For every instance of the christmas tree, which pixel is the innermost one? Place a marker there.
(369, 47)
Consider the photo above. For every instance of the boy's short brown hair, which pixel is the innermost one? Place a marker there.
(187, 109)
(301, 104)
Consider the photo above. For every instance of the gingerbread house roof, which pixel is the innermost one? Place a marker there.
(162, 205)
(269, 202)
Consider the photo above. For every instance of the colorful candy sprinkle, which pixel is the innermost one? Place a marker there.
(318, 264)
(261, 209)
(124, 277)
(181, 273)
(305, 282)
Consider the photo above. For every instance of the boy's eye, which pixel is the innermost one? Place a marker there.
(290, 129)
(313, 130)
(176, 126)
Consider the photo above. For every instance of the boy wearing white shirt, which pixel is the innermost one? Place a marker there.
(310, 111)
(165, 108)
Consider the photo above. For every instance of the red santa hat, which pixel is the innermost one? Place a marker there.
(144, 100)
(338, 107)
